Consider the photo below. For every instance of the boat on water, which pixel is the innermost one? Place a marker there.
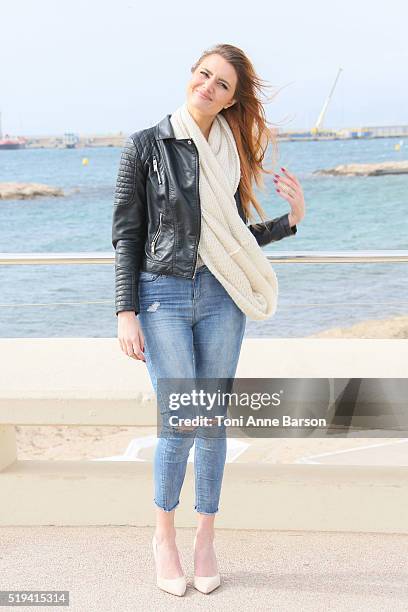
(70, 140)
(12, 143)
(8, 142)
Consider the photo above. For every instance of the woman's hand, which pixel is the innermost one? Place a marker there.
(130, 335)
(290, 189)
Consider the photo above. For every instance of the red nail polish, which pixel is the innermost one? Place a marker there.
(278, 190)
(275, 180)
(283, 169)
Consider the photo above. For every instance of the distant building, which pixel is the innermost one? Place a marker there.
(376, 131)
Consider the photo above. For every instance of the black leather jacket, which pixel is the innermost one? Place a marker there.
(156, 213)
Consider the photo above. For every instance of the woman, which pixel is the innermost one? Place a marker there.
(189, 270)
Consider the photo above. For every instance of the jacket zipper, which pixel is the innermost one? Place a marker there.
(156, 169)
(157, 234)
(199, 210)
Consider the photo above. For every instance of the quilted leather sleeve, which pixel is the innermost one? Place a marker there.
(129, 227)
(272, 230)
(268, 231)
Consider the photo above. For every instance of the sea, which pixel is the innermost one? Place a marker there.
(341, 214)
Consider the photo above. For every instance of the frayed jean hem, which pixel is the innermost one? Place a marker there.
(165, 509)
(202, 512)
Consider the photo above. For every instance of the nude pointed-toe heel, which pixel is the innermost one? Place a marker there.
(175, 586)
(206, 584)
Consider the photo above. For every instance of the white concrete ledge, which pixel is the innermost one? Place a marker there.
(89, 381)
(254, 496)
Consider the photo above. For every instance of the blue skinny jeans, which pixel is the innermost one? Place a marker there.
(192, 329)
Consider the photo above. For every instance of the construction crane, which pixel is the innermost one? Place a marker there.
(319, 122)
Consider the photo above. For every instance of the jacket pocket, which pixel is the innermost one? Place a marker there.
(156, 235)
(156, 170)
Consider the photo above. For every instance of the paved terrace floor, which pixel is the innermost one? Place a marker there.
(109, 569)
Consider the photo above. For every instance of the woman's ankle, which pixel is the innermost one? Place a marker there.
(205, 535)
(165, 535)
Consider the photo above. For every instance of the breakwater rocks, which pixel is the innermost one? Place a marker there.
(391, 167)
(394, 328)
(23, 191)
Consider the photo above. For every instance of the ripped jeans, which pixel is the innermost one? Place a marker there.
(192, 329)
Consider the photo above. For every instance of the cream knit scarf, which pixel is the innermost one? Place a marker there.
(227, 246)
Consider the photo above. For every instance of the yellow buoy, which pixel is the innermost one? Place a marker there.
(85, 161)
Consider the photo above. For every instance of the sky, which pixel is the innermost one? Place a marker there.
(100, 66)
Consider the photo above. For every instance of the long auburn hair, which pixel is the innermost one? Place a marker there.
(248, 124)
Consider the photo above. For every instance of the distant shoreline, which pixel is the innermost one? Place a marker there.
(119, 139)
